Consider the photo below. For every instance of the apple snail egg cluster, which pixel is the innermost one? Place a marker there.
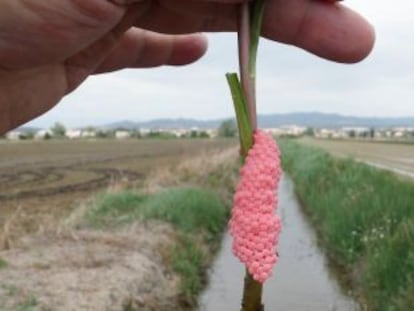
(254, 225)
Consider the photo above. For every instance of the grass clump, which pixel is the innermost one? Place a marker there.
(198, 215)
(189, 262)
(188, 209)
(28, 305)
(115, 209)
(364, 217)
(3, 263)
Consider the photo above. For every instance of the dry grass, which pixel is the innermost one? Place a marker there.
(115, 269)
(53, 178)
(208, 169)
(134, 267)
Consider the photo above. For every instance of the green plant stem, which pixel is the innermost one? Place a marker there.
(244, 99)
(242, 116)
(256, 27)
(252, 294)
(251, 15)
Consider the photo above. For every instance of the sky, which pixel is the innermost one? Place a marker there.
(289, 80)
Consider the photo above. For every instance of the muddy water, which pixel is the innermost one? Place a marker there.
(301, 280)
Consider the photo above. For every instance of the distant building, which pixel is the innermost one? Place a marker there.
(88, 134)
(274, 131)
(122, 134)
(73, 134)
(324, 133)
(357, 131)
(178, 132)
(13, 135)
(212, 133)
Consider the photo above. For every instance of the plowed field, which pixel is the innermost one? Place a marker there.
(43, 181)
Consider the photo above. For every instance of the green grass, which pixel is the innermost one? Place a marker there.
(190, 210)
(199, 216)
(365, 218)
(10, 289)
(189, 262)
(3, 263)
(28, 305)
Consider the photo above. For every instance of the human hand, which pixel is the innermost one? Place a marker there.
(49, 47)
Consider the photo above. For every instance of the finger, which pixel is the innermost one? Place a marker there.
(141, 48)
(326, 29)
(35, 33)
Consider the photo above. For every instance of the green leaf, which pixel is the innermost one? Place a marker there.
(257, 11)
(242, 116)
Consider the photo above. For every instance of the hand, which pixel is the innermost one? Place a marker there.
(49, 47)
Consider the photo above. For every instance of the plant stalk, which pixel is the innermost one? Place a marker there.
(244, 99)
(250, 23)
(247, 83)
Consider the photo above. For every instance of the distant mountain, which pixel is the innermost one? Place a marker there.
(306, 119)
(27, 129)
(325, 120)
(165, 124)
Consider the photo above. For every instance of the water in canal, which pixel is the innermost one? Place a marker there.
(301, 280)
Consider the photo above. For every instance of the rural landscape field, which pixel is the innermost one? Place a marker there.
(69, 222)
(136, 223)
(397, 157)
(41, 180)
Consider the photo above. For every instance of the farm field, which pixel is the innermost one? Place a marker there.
(44, 181)
(396, 157)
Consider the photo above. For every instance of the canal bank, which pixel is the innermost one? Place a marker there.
(301, 280)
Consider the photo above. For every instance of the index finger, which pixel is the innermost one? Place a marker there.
(327, 29)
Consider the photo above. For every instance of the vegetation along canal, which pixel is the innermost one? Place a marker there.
(301, 279)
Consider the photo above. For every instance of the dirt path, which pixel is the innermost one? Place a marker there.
(398, 158)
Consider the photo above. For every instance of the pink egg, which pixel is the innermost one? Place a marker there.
(253, 225)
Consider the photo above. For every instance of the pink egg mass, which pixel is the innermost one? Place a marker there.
(254, 225)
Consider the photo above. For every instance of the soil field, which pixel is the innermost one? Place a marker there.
(44, 181)
(392, 156)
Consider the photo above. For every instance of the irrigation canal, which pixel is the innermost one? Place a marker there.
(301, 280)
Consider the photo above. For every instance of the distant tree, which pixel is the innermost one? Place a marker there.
(104, 134)
(154, 134)
(227, 128)
(58, 130)
(352, 134)
(372, 132)
(136, 133)
(193, 134)
(309, 132)
(204, 134)
(27, 136)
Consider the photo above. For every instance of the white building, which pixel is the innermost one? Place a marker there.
(88, 134)
(13, 135)
(73, 134)
(122, 134)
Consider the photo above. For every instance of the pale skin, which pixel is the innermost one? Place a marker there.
(49, 47)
